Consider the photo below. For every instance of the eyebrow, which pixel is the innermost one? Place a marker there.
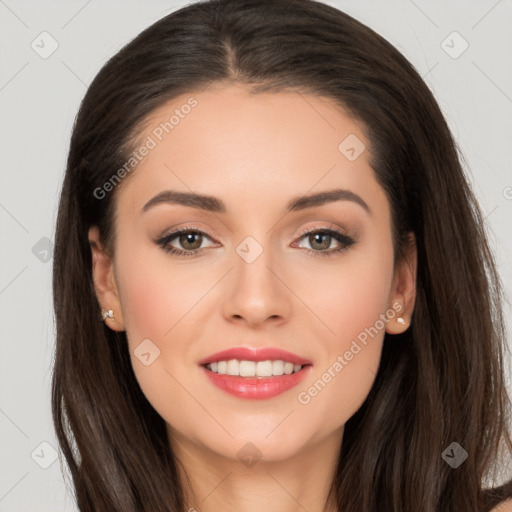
(215, 205)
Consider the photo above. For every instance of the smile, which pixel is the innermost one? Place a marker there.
(255, 373)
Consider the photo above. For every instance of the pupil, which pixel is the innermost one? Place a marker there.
(189, 238)
(327, 238)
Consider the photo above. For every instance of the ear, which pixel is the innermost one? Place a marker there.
(104, 281)
(403, 292)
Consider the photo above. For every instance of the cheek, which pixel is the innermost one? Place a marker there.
(161, 303)
(158, 304)
(352, 300)
(146, 301)
(351, 296)
(354, 303)
(156, 296)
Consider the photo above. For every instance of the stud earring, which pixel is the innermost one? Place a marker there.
(400, 320)
(107, 314)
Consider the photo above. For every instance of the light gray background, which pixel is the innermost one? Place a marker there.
(38, 101)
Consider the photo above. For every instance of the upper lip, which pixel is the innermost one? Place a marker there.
(255, 354)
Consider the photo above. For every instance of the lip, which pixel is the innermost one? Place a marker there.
(255, 354)
(256, 387)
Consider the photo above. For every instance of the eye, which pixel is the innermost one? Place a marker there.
(190, 239)
(320, 241)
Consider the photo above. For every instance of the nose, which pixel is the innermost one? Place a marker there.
(258, 293)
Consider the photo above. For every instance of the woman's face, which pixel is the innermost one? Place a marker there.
(256, 280)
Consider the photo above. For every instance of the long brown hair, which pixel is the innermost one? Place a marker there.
(441, 381)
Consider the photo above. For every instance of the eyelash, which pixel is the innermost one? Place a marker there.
(345, 241)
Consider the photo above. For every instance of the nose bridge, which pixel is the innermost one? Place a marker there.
(257, 292)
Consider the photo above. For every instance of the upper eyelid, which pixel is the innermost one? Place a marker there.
(175, 233)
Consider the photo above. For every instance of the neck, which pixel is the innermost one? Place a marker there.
(212, 482)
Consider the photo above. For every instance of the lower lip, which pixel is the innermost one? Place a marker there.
(257, 387)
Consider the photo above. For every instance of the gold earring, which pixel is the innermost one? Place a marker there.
(107, 314)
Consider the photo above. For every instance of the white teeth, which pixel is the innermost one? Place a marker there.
(254, 369)
(221, 367)
(247, 369)
(278, 367)
(233, 367)
(264, 369)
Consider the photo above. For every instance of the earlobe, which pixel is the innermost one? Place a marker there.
(104, 283)
(403, 294)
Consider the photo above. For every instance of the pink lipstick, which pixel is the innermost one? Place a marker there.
(255, 373)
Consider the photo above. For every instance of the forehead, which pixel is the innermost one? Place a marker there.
(273, 145)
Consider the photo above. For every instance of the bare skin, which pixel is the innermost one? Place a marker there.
(255, 153)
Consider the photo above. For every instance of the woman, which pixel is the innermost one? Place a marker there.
(264, 205)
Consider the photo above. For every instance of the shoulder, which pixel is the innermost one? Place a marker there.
(505, 506)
